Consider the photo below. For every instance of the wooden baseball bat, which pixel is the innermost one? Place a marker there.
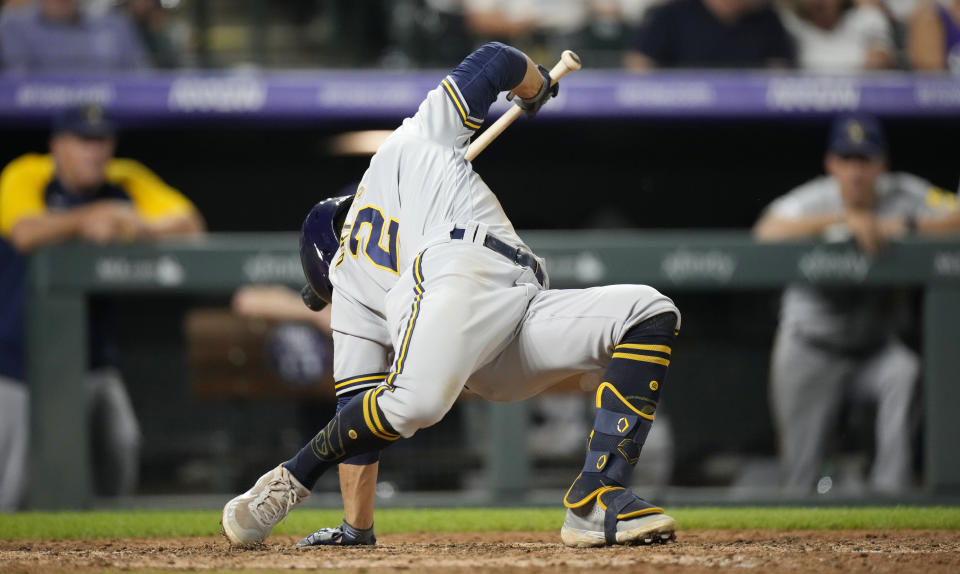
(569, 62)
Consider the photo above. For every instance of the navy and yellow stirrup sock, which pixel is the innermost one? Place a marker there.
(626, 402)
(359, 427)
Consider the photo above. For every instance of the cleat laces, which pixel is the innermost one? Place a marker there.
(275, 502)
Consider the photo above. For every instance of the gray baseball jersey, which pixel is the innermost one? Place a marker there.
(444, 307)
(852, 318)
(418, 177)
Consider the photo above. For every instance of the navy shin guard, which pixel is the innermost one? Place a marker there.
(626, 402)
(358, 428)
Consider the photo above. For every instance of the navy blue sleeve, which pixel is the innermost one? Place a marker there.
(491, 69)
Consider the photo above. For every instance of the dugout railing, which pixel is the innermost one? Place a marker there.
(62, 278)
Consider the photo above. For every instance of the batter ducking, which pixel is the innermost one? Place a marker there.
(431, 286)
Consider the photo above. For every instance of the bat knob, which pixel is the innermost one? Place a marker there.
(571, 60)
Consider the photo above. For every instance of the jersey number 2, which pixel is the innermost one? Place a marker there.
(380, 246)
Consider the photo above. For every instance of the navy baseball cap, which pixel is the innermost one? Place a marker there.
(857, 135)
(88, 120)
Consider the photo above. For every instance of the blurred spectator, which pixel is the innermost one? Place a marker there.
(61, 35)
(934, 37)
(300, 347)
(837, 343)
(541, 28)
(711, 34)
(360, 31)
(500, 20)
(606, 32)
(427, 33)
(840, 35)
(79, 191)
(156, 32)
(278, 303)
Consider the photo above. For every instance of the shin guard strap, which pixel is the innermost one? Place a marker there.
(620, 500)
(621, 504)
(614, 423)
(611, 465)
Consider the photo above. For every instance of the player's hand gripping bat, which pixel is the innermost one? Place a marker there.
(569, 62)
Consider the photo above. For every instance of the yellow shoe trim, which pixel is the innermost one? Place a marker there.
(644, 512)
(604, 491)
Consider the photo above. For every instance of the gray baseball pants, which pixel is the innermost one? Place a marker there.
(114, 432)
(808, 386)
(463, 311)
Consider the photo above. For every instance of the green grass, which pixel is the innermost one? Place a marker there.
(126, 524)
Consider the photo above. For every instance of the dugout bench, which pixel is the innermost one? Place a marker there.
(62, 277)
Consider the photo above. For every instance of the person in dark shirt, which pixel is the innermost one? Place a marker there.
(711, 34)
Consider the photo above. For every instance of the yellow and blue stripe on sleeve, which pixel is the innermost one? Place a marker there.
(22, 185)
(152, 197)
(453, 93)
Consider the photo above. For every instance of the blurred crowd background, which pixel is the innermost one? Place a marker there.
(816, 35)
(219, 385)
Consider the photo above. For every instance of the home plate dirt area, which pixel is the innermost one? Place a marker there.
(894, 551)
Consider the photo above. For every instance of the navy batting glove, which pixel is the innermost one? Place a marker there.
(532, 105)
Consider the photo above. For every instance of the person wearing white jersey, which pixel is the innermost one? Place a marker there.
(835, 343)
(431, 286)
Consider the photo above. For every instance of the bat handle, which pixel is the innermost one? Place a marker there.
(569, 62)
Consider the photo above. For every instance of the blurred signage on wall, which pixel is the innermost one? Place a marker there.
(163, 97)
(686, 265)
(165, 270)
(583, 268)
(947, 263)
(823, 263)
(273, 268)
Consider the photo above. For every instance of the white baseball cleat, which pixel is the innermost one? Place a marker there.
(617, 518)
(249, 518)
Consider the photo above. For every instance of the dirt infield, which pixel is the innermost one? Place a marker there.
(851, 552)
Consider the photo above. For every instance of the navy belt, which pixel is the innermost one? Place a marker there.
(518, 255)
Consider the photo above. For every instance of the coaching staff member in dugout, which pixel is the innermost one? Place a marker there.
(837, 343)
(78, 191)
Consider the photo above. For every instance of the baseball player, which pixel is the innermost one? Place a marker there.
(430, 283)
(80, 191)
(834, 343)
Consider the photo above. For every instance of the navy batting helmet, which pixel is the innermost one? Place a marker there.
(319, 240)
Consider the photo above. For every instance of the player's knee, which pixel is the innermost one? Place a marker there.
(663, 324)
(911, 367)
(644, 303)
(904, 373)
(416, 414)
